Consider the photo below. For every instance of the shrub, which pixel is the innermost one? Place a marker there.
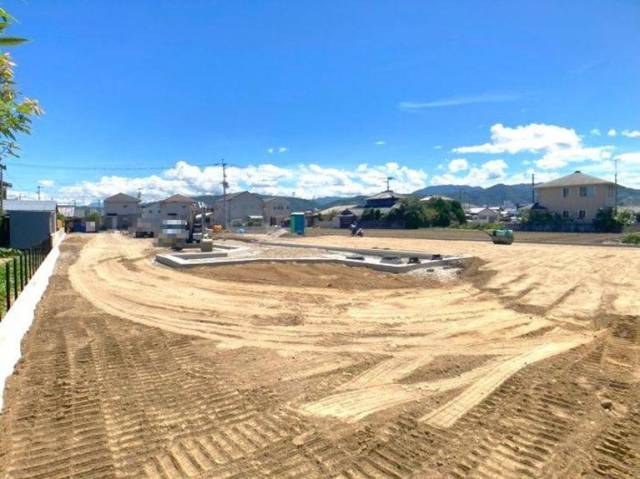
(632, 238)
(608, 222)
(435, 212)
(9, 252)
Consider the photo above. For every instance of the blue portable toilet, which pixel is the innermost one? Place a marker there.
(297, 223)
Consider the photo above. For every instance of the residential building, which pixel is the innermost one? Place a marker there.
(239, 207)
(121, 212)
(30, 222)
(176, 207)
(484, 214)
(576, 196)
(276, 210)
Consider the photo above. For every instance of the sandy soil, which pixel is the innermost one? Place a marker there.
(327, 275)
(529, 366)
(452, 234)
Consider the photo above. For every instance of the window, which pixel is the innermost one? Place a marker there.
(565, 214)
(582, 214)
(586, 191)
(565, 192)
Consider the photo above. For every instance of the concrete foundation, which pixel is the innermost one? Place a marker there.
(406, 262)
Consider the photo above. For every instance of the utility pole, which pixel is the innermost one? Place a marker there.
(615, 191)
(533, 190)
(225, 185)
(38, 192)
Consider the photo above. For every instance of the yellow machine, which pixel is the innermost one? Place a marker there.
(216, 228)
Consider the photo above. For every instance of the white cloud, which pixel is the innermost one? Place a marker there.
(631, 157)
(305, 181)
(561, 157)
(631, 133)
(488, 173)
(46, 183)
(437, 147)
(532, 137)
(279, 149)
(558, 145)
(380, 142)
(459, 164)
(612, 132)
(595, 132)
(458, 100)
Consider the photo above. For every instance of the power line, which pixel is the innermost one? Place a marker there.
(103, 168)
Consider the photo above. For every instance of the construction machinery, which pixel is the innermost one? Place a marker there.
(500, 236)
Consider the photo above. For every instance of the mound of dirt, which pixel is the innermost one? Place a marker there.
(319, 275)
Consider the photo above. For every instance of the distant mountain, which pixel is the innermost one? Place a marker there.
(495, 195)
(338, 201)
(297, 204)
(491, 196)
(628, 196)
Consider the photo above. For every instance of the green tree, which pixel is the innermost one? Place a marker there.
(16, 111)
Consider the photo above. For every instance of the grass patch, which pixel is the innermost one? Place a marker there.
(631, 238)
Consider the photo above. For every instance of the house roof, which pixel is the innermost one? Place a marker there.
(385, 194)
(337, 209)
(121, 197)
(178, 199)
(478, 210)
(231, 196)
(574, 179)
(29, 205)
(273, 198)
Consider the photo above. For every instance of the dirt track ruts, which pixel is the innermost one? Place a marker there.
(133, 370)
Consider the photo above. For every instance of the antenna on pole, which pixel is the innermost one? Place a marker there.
(225, 185)
(38, 192)
(615, 199)
(139, 193)
(533, 190)
(389, 178)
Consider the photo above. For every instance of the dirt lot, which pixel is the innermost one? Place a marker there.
(528, 366)
(475, 235)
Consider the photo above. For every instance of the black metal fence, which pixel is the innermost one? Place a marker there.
(16, 272)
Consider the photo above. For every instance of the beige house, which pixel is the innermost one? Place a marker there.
(276, 210)
(239, 207)
(176, 207)
(576, 196)
(121, 211)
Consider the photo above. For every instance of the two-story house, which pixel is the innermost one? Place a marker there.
(576, 196)
(121, 211)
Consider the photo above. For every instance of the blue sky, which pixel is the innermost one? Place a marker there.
(323, 98)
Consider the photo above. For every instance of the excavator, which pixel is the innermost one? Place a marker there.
(500, 236)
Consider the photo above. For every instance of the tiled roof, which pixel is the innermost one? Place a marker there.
(575, 179)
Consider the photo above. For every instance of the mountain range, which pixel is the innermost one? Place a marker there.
(495, 195)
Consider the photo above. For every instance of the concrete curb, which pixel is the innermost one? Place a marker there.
(19, 318)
